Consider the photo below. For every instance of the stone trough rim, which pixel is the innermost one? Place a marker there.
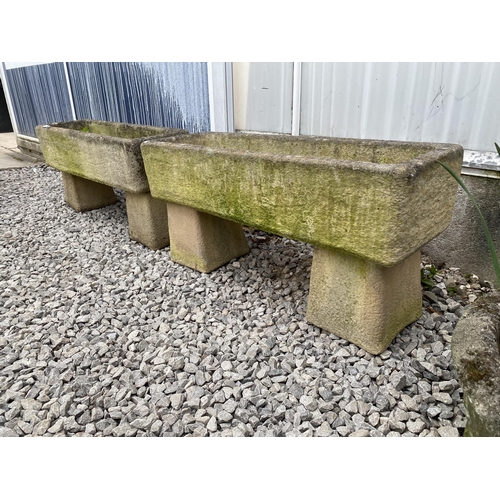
(134, 142)
(403, 169)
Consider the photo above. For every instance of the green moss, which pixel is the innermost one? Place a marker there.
(281, 197)
(480, 367)
(296, 187)
(113, 129)
(61, 152)
(190, 259)
(314, 147)
(104, 152)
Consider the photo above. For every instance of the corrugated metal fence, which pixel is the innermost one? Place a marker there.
(435, 102)
(160, 94)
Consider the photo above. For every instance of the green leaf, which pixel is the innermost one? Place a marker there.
(433, 271)
(498, 149)
(489, 239)
(426, 282)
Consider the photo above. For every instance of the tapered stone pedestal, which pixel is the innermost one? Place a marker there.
(202, 241)
(82, 194)
(361, 301)
(147, 220)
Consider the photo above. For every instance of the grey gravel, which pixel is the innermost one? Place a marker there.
(100, 336)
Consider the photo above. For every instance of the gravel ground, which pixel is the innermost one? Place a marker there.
(100, 336)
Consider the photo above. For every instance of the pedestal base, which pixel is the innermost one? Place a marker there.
(202, 241)
(363, 302)
(147, 220)
(82, 194)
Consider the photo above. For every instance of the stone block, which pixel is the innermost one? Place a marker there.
(97, 156)
(361, 301)
(202, 241)
(104, 152)
(374, 199)
(475, 350)
(147, 220)
(82, 195)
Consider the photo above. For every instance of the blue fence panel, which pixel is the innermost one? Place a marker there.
(39, 95)
(149, 93)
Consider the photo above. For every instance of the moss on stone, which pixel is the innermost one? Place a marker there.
(295, 187)
(109, 153)
(115, 129)
(476, 357)
(381, 152)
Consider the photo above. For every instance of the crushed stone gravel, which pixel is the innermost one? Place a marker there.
(100, 336)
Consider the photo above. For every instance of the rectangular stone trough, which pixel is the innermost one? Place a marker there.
(367, 206)
(95, 157)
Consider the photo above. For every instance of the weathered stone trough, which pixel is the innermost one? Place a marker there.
(95, 157)
(366, 206)
(476, 355)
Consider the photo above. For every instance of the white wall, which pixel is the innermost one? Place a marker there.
(425, 101)
(263, 96)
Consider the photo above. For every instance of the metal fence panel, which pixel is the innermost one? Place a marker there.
(162, 94)
(435, 102)
(39, 95)
(263, 96)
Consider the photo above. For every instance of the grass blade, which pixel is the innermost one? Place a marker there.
(489, 239)
(498, 149)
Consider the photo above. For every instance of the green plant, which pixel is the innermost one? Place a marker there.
(489, 239)
(427, 277)
(85, 129)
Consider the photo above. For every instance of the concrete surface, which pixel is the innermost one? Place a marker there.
(104, 152)
(373, 199)
(202, 241)
(11, 156)
(82, 195)
(147, 220)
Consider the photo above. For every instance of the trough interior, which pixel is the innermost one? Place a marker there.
(112, 129)
(312, 147)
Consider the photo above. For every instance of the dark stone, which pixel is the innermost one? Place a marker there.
(431, 296)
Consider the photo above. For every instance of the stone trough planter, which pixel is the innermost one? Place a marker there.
(476, 357)
(366, 206)
(95, 157)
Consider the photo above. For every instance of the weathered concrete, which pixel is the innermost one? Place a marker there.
(361, 301)
(373, 200)
(82, 195)
(376, 200)
(202, 241)
(463, 244)
(108, 154)
(476, 356)
(104, 152)
(147, 220)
